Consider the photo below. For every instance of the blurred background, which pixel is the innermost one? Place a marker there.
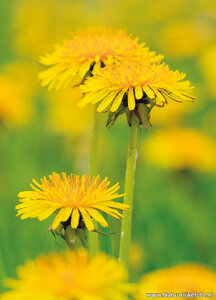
(40, 132)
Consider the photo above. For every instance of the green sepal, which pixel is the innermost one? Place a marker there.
(112, 116)
(81, 234)
(70, 236)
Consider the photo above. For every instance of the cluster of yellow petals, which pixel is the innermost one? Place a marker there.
(183, 278)
(87, 50)
(137, 78)
(72, 197)
(181, 148)
(69, 275)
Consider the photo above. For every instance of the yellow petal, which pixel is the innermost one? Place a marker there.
(75, 218)
(117, 101)
(97, 216)
(121, 206)
(149, 92)
(112, 212)
(62, 216)
(85, 100)
(131, 100)
(138, 92)
(65, 77)
(106, 101)
(84, 68)
(97, 67)
(93, 97)
(99, 97)
(24, 194)
(87, 219)
(46, 213)
(160, 96)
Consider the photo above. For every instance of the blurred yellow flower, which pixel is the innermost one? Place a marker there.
(88, 50)
(64, 116)
(183, 278)
(208, 67)
(17, 88)
(37, 25)
(179, 148)
(183, 38)
(75, 200)
(136, 256)
(134, 83)
(69, 275)
(172, 114)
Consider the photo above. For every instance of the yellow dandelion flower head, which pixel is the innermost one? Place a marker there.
(136, 78)
(70, 275)
(74, 199)
(133, 81)
(181, 148)
(88, 50)
(178, 279)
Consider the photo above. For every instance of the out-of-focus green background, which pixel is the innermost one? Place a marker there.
(174, 211)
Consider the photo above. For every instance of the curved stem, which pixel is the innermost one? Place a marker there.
(93, 168)
(125, 238)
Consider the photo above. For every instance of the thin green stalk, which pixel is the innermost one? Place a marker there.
(125, 237)
(93, 168)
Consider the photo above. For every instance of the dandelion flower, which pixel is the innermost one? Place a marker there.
(87, 51)
(135, 85)
(68, 276)
(73, 198)
(183, 278)
(181, 148)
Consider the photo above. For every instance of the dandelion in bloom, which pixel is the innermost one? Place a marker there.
(135, 85)
(69, 276)
(189, 278)
(75, 200)
(87, 51)
(181, 148)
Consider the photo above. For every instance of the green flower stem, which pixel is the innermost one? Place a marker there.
(93, 237)
(125, 237)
